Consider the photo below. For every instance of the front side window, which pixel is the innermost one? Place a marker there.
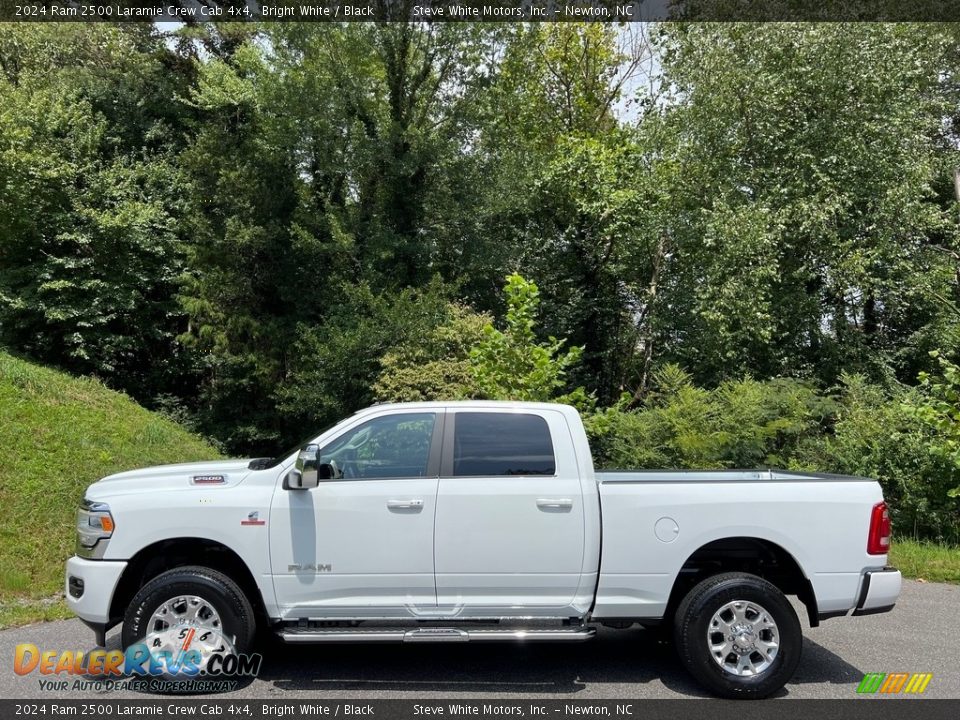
(502, 444)
(393, 446)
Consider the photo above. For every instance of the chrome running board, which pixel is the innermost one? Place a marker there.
(434, 634)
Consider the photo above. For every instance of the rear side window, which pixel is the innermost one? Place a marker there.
(502, 444)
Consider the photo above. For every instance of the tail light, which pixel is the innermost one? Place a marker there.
(878, 541)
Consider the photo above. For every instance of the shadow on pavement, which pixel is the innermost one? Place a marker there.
(820, 665)
(630, 656)
(621, 657)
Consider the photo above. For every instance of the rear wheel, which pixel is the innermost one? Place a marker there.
(738, 635)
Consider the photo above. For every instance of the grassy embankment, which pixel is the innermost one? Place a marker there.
(58, 434)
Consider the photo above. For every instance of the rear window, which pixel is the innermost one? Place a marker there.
(502, 444)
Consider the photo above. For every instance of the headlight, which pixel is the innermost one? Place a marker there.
(94, 524)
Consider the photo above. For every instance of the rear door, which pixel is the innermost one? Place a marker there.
(510, 518)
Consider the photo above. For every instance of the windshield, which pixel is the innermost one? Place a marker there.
(267, 463)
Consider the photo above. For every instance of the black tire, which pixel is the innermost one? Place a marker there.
(238, 622)
(695, 614)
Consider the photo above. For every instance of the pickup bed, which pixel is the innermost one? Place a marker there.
(479, 521)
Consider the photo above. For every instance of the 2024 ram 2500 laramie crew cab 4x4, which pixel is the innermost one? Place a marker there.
(479, 521)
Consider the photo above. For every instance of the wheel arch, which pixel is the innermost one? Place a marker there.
(755, 555)
(168, 554)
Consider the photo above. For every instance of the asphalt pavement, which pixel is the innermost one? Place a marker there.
(922, 634)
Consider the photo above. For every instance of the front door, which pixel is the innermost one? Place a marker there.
(510, 522)
(361, 543)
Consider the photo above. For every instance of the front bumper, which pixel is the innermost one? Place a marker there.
(879, 590)
(89, 586)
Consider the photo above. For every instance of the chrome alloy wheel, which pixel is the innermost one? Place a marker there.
(743, 638)
(183, 624)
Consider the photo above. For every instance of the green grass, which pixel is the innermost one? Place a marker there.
(27, 611)
(58, 434)
(926, 561)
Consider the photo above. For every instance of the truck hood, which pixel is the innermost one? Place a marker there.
(169, 477)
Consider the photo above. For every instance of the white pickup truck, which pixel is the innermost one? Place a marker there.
(479, 521)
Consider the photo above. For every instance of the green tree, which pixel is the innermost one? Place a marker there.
(876, 434)
(334, 365)
(436, 366)
(91, 248)
(811, 218)
(468, 357)
(382, 117)
(327, 161)
(567, 192)
(512, 364)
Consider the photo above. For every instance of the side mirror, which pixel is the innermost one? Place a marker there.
(304, 474)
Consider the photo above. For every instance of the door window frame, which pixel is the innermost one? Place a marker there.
(449, 445)
(433, 458)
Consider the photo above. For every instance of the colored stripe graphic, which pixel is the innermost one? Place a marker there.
(893, 683)
(871, 682)
(918, 683)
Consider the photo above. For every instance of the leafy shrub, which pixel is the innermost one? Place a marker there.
(904, 438)
(938, 409)
(511, 364)
(437, 366)
(741, 423)
(877, 434)
(332, 367)
(468, 357)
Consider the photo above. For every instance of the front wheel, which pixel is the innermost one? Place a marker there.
(738, 635)
(187, 615)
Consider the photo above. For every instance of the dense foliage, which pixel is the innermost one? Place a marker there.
(855, 427)
(745, 236)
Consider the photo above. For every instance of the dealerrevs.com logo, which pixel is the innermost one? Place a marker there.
(136, 668)
(894, 683)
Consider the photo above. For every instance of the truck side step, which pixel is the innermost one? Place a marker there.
(433, 634)
(578, 634)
